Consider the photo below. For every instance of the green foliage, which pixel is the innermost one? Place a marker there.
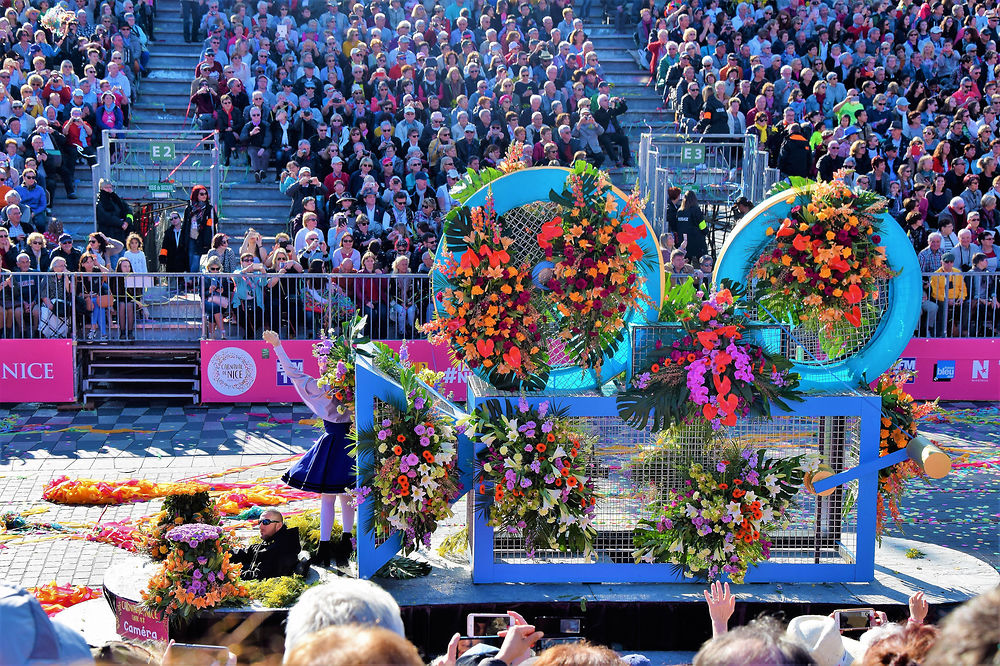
(454, 546)
(472, 182)
(790, 183)
(915, 554)
(280, 592)
(309, 534)
(403, 568)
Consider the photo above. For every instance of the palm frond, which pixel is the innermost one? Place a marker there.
(472, 182)
(403, 568)
(458, 227)
(790, 183)
(658, 407)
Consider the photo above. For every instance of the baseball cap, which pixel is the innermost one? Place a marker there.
(409, 109)
(470, 128)
(452, 173)
(421, 175)
(287, 82)
(210, 52)
(310, 84)
(948, 256)
(65, 237)
(77, 91)
(336, 160)
(386, 161)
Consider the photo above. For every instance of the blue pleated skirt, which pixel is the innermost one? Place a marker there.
(327, 467)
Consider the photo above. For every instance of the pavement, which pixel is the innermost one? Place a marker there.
(164, 442)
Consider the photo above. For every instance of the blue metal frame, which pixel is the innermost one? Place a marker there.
(743, 246)
(867, 407)
(533, 185)
(372, 385)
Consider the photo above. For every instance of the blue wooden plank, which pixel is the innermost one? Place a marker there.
(861, 470)
(542, 572)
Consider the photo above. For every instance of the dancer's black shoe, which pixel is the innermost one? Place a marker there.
(343, 550)
(324, 553)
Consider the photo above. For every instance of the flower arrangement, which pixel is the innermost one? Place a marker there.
(717, 520)
(713, 374)
(900, 417)
(412, 478)
(196, 575)
(595, 280)
(533, 476)
(825, 265)
(489, 321)
(337, 354)
(179, 509)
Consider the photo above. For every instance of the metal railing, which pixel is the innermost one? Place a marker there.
(717, 167)
(151, 166)
(120, 308)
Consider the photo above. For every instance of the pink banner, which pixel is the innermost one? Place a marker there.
(248, 370)
(953, 368)
(135, 623)
(37, 371)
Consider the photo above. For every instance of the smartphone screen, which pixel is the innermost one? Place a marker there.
(854, 620)
(487, 624)
(466, 643)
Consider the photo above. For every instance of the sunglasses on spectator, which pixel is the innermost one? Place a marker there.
(245, 260)
(213, 270)
(268, 521)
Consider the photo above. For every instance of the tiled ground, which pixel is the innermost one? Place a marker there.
(181, 442)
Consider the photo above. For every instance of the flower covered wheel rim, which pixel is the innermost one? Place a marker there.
(902, 295)
(531, 188)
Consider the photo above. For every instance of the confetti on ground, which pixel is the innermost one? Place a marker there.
(989, 416)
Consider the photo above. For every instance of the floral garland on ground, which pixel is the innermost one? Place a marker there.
(412, 476)
(196, 575)
(56, 598)
(900, 415)
(717, 521)
(824, 268)
(339, 353)
(489, 320)
(595, 281)
(533, 477)
(713, 375)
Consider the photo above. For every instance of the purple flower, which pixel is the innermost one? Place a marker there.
(527, 448)
(547, 426)
(403, 467)
(419, 429)
(522, 405)
(412, 460)
(418, 403)
(382, 434)
(525, 483)
(536, 466)
(386, 423)
(425, 441)
(720, 467)
(543, 408)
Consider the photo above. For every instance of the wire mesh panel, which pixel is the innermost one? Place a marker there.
(632, 470)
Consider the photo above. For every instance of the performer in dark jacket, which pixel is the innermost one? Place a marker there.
(606, 115)
(327, 467)
(277, 553)
(795, 157)
(200, 220)
(173, 250)
(114, 217)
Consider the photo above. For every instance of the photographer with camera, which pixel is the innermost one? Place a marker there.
(607, 113)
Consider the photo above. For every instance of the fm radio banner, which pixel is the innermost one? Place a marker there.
(953, 368)
(248, 370)
(37, 371)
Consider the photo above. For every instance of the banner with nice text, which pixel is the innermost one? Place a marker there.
(953, 368)
(37, 371)
(248, 370)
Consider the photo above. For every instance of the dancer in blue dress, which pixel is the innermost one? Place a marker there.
(326, 468)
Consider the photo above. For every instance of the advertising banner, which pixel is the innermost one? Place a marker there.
(953, 368)
(37, 371)
(248, 370)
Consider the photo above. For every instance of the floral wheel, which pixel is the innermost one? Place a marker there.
(864, 349)
(521, 201)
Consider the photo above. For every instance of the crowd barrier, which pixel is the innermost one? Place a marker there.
(956, 353)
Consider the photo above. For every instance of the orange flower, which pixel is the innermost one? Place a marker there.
(655, 368)
(398, 450)
(400, 438)
(540, 447)
(550, 437)
(428, 456)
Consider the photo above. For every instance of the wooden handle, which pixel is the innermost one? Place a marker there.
(935, 462)
(822, 472)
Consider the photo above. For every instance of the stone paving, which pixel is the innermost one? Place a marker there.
(181, 442)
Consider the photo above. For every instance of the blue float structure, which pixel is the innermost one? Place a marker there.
(831, 533)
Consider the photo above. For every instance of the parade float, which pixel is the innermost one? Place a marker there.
(623, 427)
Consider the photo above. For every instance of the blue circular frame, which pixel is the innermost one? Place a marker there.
(748, 239)
(533, 185)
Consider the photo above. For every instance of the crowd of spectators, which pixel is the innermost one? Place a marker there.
(350, 621)
(901, 99)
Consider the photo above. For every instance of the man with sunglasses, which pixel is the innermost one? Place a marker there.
(277, 553)
(66, 251)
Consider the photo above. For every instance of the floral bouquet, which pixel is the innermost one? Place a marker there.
(179, 509)
(824, 268)
(713, 375)
(337, 354)
(596, 254)
(413, 477)
(900, 416)
(716, 521)
(533, 477)
(487, 315)
(196, 575)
